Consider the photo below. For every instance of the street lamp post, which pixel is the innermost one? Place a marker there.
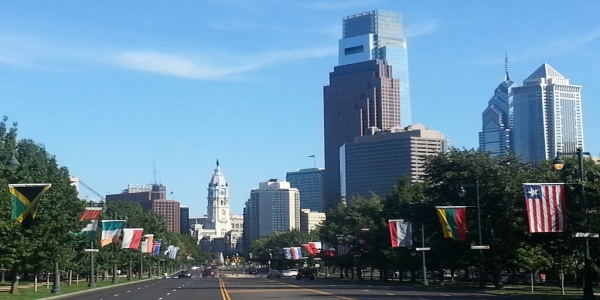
(12, 163)
(559, 163)
(480, 247)
(56, 284)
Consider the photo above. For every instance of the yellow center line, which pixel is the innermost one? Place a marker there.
(224, 292)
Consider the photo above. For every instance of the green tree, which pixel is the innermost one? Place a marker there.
(533, 259)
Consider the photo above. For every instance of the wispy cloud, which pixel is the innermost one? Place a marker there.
(556, 47)
(205, 67)
(420, 29)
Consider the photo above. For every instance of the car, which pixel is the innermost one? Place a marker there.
(208, 273)
(273, 274)
(185, 273)
(294, 272)
(252, 270)
(287, 273)
(305, 274)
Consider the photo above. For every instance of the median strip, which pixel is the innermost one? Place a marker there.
(224, 292)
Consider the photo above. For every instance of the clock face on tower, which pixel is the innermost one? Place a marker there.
(222, 192)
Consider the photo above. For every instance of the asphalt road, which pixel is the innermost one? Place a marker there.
(156, 289)
(258, 287)
(253, 287)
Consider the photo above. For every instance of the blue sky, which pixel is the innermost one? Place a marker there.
(110, 87)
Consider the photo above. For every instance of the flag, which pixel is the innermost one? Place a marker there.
(546, 209)
(311, 155)
(169, 249)
(149, 243)
(93, 215)
(157, 244)
(343, 249)
(173, 253)
(143, 245)
(25, 199)
(400, 233)
(287, 254)
(454, 221)
(171, 193)
(132, 238)
(296, 252)
(111, 230)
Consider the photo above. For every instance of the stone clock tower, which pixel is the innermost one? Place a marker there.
(217, 211)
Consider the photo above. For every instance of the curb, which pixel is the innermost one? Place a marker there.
(101, 288)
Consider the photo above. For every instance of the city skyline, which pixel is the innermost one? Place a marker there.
(108, 91)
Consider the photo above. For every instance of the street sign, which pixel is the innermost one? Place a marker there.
(484, 247)
(317, 265)
(423, 249)
(586, 235)
(91, 250)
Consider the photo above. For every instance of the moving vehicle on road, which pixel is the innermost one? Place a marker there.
(274, 274)
(208, 272)
(306, 273)
(287, 273)
(185, 273)
(294, 272)
(252, 270)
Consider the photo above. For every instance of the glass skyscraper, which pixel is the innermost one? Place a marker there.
(497, 120)
(547, 116)
(378, 35)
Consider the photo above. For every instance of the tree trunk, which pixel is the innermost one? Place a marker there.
(70, 277)
(2, 278)
(35, 283)
(562, 281)
(14, 287)
(47, 280)
(531, 279)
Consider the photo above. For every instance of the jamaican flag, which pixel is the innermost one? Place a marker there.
(25, 199)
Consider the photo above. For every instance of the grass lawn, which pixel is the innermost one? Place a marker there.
(26, 291)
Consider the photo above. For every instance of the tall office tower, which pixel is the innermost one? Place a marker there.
(547, 116)
(373, 164)
(170, 210)
(378, 35)
(273, 207)
(359, 96)
(184, 220)
(311, 185)
(497, 119)
(217, 210)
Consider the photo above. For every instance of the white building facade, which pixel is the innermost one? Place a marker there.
(309, 220)
(215, 232)
(547, 116)
(273, 207)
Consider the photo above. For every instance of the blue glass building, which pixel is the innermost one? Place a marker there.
(378, 35)
(497, 120)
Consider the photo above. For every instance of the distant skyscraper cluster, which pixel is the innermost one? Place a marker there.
(369, 143)
(534, 120)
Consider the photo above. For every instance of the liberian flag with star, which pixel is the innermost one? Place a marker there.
(546, 209)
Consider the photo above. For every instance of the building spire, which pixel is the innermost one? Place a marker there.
(217, 162)
(506, 78)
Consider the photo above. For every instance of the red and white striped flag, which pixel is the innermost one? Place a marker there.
(132, 238)
(400, 233)
(546, 209)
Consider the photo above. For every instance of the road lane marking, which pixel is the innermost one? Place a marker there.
(224, 292)
(316, 291)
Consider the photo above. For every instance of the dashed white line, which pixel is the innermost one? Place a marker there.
(168, 294)
(116, 295)
(389, 294)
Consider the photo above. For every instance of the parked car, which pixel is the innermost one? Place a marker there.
(252, 270)
(294, 272)
(286, 273)
(273, 274)
(306, 273)
(185, 273)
